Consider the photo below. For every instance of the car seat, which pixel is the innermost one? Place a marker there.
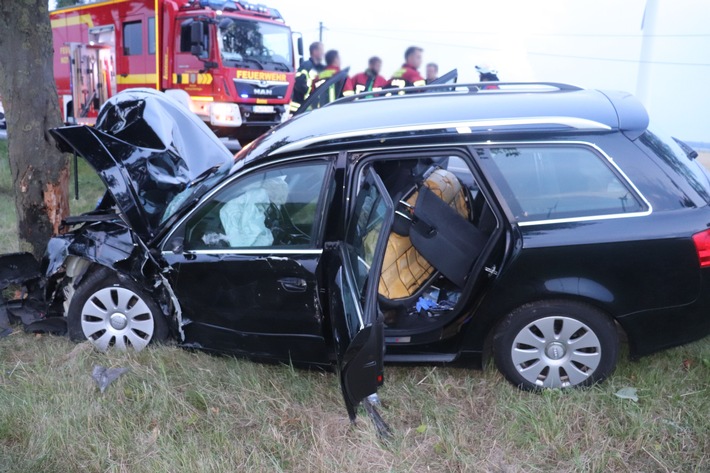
(420, 216)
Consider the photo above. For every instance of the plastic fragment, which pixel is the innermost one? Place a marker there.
(105, 376)
(627, 393)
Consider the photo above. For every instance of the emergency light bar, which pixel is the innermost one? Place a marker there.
(239, 5)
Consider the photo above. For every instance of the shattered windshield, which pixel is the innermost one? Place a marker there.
(255, 44)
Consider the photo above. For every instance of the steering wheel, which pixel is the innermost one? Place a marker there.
(284, 231)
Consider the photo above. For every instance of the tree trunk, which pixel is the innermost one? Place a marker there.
(39, 171)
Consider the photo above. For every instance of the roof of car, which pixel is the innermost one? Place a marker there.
(456, 109)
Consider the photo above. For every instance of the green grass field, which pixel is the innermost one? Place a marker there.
(177, 410)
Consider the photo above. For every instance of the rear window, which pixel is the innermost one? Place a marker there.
(671, 153)
(544, 183)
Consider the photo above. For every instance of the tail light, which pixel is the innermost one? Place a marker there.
(702, 246)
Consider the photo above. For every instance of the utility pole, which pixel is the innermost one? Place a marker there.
(645, 69)
(320, 32)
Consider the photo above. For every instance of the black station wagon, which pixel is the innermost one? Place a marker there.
(533, 222)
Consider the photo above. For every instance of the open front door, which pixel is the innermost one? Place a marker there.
(354, 272)
(325, 93)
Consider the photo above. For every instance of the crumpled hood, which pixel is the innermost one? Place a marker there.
(147, 148)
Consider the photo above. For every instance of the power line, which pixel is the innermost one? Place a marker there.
(552, 35)
(532, 53)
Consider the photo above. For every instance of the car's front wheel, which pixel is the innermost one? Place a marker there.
(113, 312)
(556, 344)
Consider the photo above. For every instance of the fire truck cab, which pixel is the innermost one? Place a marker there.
(232, 62)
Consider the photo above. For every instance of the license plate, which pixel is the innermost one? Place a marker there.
(263, 109)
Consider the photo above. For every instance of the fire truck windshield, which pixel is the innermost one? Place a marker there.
(255, 44)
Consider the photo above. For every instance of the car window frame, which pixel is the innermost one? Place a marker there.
(498, 183)
(359, 159)
(178, 231)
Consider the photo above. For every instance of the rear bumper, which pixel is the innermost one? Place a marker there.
(655, 330)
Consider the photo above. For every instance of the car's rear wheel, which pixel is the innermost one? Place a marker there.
(112, 312)
(556, 344)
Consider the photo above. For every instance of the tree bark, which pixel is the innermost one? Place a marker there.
(40, 172)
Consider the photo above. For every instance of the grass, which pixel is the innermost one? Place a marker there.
(177, 410)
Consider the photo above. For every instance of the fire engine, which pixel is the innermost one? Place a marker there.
(232, 62)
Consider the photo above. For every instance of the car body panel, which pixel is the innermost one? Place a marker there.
(138, 148)
(252, 304)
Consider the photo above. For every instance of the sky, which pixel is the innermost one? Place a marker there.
(589, 43)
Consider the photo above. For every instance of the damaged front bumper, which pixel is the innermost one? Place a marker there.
(39, 295)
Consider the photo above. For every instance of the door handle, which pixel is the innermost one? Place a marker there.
(294, 284)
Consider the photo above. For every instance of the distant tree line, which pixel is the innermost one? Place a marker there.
(68, 3)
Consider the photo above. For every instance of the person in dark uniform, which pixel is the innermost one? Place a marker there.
(432, 72)
(306, 73)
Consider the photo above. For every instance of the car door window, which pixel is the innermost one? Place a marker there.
(274, 208)
(543, 183)
(364, 231)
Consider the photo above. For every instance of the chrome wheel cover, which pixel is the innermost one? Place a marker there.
(556, 352)
(117, 317)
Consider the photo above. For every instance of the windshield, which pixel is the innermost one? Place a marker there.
(255, 45)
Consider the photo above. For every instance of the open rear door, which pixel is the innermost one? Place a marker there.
(354, 273)
(450, 77)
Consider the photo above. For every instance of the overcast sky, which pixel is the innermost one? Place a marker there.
(591, 43)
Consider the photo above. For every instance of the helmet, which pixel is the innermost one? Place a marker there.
(485, 69)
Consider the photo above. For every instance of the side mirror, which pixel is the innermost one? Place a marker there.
(177, 245)
(197, 38)
(298, 46)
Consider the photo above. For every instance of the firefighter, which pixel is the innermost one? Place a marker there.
(408, 75)
(486, 74)
(370, 79)
(332, 61)
(307, 72)
(432, 72)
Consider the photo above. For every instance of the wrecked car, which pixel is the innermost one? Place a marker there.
(533, 222)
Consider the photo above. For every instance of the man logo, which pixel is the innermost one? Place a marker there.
(263, 92)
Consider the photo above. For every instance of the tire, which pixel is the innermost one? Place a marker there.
(556, 344)
(109, 311)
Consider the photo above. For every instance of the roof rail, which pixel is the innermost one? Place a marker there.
(455, 127)
(471, 88)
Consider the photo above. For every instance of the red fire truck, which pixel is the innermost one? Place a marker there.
(235, 60)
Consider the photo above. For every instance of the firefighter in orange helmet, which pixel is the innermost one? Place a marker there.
(408, 75)
(332, 61)
(370, 79)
